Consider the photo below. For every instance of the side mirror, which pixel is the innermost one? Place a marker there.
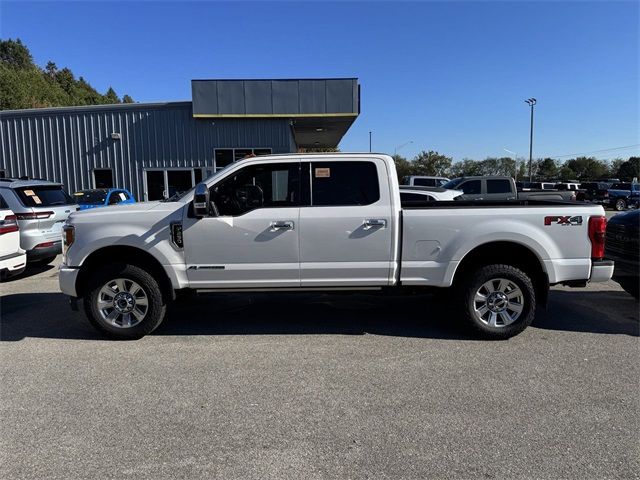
(201, 201)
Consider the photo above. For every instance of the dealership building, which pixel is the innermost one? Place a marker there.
(156, 149)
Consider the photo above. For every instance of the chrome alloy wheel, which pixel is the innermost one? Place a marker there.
(122, 303)
(498, 302)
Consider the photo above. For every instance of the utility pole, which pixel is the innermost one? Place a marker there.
(369, 142)
(531, 102)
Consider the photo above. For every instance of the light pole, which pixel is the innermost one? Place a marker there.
(369, 142)
(531, 102)
(515, 159)
(395, 150)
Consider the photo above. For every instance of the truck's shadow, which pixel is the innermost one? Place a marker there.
(47, 315)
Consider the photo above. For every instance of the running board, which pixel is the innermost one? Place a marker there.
(288, 289)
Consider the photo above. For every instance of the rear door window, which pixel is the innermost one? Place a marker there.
(415, 197)
(43, 196)
(344, 183)
(498, 186)
(424, 182)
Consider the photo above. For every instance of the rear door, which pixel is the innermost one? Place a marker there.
(499, 189)
(346, 231)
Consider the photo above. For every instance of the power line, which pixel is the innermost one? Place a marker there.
(594, 151)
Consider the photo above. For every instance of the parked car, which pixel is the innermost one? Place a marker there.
(594, 192)
(424, 181)
(623, 246)
(41, 208)
(621, 195)
(409, 194)
(326, 222)
(536, 185)
(13, 259)
(567, 186)
(102, 197)
(498, 188)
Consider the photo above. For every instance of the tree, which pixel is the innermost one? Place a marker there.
(548, 169)
(111, 96)
(465, 168)
(127, 99)
(14, 54)
(629, 169)
(403, 166)
(431, 163)
(588, 168)
(51, 70)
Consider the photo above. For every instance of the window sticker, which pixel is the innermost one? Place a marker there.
(36, 199)
(122, 196)
(29, 193)
(323, 172)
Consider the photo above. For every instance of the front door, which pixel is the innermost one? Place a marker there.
(346, 236)
(252, 242)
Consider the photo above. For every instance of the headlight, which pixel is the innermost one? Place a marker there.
(68, 237)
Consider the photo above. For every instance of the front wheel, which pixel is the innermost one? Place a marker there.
(497, 301)
(621, 204)
(124, 302)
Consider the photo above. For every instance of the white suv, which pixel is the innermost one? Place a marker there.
(13, 259)
(41, 207)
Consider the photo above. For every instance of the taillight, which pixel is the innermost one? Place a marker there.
(45, 245)
(9, 224)
(597, 231)
(606, 194)
(33, 215)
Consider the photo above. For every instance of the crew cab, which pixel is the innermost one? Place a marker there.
(501, 188)
(328, 222)
(622, 195)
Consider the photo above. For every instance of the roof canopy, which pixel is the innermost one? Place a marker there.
(321, 110)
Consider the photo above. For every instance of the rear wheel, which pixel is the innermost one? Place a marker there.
(621, 204)
(124, 302)
(497, 301)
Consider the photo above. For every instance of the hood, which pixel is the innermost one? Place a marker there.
(631, 217)
(114, 212)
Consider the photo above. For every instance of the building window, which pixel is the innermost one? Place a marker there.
(225, 156)
(103, 178)
(3, 174)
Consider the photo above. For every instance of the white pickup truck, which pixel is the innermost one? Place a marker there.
(326, 222)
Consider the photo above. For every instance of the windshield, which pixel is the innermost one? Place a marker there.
(452, 184)
(91, 197)
(44, 196)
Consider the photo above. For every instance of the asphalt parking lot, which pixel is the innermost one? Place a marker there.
(282, 386)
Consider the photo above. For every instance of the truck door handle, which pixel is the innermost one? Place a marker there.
(288, 225)
(374, 223)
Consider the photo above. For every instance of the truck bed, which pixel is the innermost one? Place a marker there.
(417, 205)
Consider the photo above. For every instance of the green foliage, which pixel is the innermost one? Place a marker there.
(24, 85)
(629, 170)
(587, 168)
(548, 169)
(431, 163)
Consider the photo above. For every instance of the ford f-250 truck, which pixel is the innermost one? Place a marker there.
(326, 222)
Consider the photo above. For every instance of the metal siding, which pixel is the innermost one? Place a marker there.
(66, 145)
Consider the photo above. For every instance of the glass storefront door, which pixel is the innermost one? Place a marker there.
(165, 183)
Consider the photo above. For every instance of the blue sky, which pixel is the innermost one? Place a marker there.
(449, 76)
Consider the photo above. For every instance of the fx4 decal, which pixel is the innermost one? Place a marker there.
(563, 220)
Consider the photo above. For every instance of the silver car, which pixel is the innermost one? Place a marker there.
(41, 208)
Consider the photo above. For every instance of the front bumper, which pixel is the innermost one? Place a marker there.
(601, 271)
(67, 279)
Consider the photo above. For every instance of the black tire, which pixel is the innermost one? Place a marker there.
(620, 204)
(156, 307)
(466, 301)
(43, 261)
(631, 286)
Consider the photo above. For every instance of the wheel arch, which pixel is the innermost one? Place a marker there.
(507, 253)
(128, 255)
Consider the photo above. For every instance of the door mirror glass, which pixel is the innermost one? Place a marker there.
(201, 201)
